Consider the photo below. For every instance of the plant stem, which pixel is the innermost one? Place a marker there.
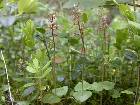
(53, 62)
(7, 77)
(138, 85)
(134, 5)
(83, 51)
(70, 66)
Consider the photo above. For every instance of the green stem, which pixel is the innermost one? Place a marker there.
(138, 85)
(83, 51)
(70, 66)
(134, 5)
(53, 63)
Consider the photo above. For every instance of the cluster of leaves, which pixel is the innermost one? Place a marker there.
(48, 65)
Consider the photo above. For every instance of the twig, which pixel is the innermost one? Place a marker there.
(7, 77)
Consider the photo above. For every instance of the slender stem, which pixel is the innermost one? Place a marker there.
(104, 38)
(53, 65)
(53, 60)
(138, 85)
(7, 77)
(101, 99)
(83, 51)
(70, 66)
(134, 5)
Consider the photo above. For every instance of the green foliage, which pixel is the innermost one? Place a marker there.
(28, 32)
(82, 86)
(118, 23)
(121, 37)
(127, 92)
(138, 103)
(116, 94)
(51, 99)
(60, 91)
(75, 52)
(96, 87)
(84, 17)
(27, 6)
(100, 86)
(34, 67)
(23, 103)
(82, 96)
(126, 11)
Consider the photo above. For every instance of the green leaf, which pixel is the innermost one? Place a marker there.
(28, 85)
(116, 94)
(119, 23)
(51, 99)
(42, 87)
(1, 4)
(41, 30)
(46, 66)
(96, 87)
(5, 87)
(31, 69)
(136, 41)
(73, 41)
(127, 92)
(121, 37)
(35, 63)
(138, 103)
(134, 24)
(27, 6)
(135, 27)
(86, 86)
(28, 91)
(46, 72)
(23, 103)
(107, 85)
(84, 17)
(82, 96)
(126, 11)
(28, 32)
(100, 86)
(116, 62)
(60, 91)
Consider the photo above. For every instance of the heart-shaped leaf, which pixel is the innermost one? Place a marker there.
(51, 99)
(60, 91)
(107, 85)
(79, 86)
(96, 87)
(82, 96)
